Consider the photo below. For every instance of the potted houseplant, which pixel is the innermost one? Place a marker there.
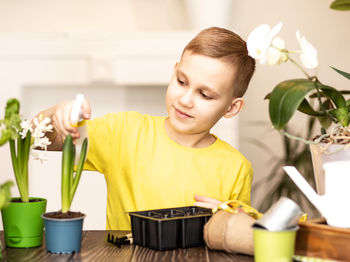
(22, 223)
(5, 197)
(63, 229)
(307, 95)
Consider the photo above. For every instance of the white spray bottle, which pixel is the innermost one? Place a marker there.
(78, 121)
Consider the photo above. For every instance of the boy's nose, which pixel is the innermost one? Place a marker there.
(186, 98)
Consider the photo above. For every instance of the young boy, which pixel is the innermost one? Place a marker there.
(161, 162)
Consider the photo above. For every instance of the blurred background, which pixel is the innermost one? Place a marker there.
(120, 54)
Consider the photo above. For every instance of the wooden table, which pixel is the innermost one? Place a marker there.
(96, 248)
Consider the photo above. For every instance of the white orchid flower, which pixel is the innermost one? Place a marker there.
(309, 53)
(26, 126)
(259, 41)
(275, 56)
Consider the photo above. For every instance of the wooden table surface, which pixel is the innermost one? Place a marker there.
(96, 248)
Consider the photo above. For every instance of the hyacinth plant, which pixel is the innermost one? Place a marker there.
(70, 173)
(307, 95)
(23, 138)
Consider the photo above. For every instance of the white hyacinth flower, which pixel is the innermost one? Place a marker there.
(309, 53)
(26, 126)
(275, 55)
(39, 155)
(42, 142)
(259, 41)
(41, 127)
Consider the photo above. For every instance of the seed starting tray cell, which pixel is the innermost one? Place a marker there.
(166, 229)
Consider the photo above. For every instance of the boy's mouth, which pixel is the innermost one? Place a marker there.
(182, 114)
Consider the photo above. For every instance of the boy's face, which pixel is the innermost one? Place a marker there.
(200, 93)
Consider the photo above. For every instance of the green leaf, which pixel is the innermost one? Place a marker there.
(343, 92)
(285, 99)
(326, 121)
(11, 121)
(67, 172)
(307, 109)
(347, 75)
(334, 95)
(342, 115)
(79, 170)
(12, 108)
(340, 5)
(5, 194)
(6, 135)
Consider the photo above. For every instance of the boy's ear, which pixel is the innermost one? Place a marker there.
(235, 107)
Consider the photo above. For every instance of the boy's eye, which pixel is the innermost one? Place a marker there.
(181, 83)
(205, 96)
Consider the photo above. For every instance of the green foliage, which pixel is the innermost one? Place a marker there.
(347, 75)
(11, 123)
(285, 99)
(340, 5)
(19, 147)
(5, 194)
(20, 158)
(292, 95)
(5, 197)
(70, 177)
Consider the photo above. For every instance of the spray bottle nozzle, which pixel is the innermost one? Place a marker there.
(77, 114)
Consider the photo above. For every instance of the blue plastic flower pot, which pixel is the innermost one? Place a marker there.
(63, 235)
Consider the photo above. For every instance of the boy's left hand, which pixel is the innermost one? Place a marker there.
(207, 202)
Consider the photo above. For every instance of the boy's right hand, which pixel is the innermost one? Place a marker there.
(61, 122)
(206, 202)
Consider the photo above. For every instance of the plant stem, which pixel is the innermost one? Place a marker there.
(300, 67)
(318, 140)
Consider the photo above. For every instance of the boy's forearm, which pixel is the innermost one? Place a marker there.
(55, 139)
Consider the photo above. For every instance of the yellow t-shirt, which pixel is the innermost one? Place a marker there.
(144, 169)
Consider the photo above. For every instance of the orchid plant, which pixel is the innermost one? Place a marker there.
(298, 94)
(23, 139)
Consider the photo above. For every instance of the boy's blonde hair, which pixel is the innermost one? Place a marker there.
(224, 44)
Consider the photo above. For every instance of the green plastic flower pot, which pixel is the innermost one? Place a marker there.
(22, 222)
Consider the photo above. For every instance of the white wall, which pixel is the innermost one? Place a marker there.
(325, 28)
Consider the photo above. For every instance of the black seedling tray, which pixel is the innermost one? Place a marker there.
(165, 229)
